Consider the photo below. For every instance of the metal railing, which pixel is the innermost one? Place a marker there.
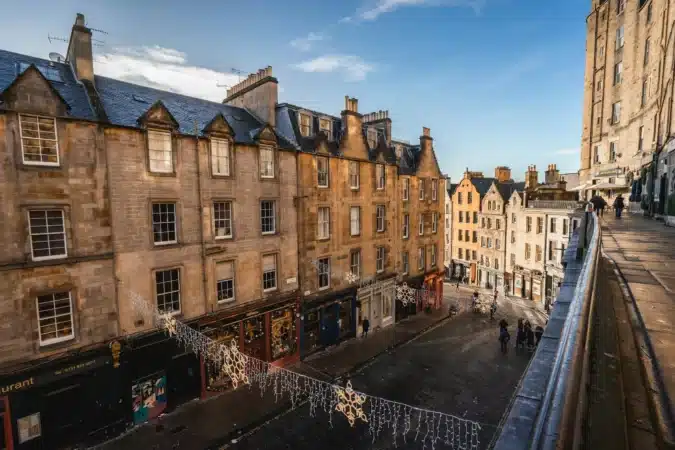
(550, 401)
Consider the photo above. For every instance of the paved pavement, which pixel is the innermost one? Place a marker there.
(455, 368)
(198, 425)
(644, 251)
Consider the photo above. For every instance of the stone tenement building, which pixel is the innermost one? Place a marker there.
(628, 99)
(116, 192)
(370, 207)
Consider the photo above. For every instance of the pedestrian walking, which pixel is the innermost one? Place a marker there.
(366, 327)
(619, 206)
(504, 336)
(458, 284)
(529, 334)
(599, 204)
(493, 310)
(520, 335)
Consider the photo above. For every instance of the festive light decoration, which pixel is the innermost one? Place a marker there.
(405, 294)
(404, 422)
(350, 403)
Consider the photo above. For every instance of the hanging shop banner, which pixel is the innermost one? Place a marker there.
(149, 398)
(52, 375)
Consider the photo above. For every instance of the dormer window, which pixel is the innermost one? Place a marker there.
(372, 137)
(220, 157)
(266, 162)
(160, 151)
(39, 143)
(326, 125)
(305, 124)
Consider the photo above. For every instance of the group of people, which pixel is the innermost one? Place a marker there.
(526, 337)
(599, 205)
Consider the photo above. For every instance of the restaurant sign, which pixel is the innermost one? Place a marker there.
(49, 376)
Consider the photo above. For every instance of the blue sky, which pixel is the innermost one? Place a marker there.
(499, 82)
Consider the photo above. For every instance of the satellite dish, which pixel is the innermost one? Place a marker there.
(56, 57)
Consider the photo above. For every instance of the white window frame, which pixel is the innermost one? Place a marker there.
(618, 72)
(406, 226)
(221, 164)
(323, 222)
(39, 139)
(328, 130)
(380, 218)
(355, 222)
(357, 254)
(47, 233)
(304, 126)
(322, 175)
(379, 259)
(323, 269)
(613, 146)
(434, 189)
(54, 318)
(276, 273)
(434, 222)
(175, 223)
(227, 218)
(354, 175)
(267, 163)
(371, 133)
(420, 224)
(160, 135)
(619, 38)
(234, 291)
(274, 217)
(405, 263)
(421, 189)
(433, 255)
(421, 263)
(380, 175)
(406, 189)
(169, 292)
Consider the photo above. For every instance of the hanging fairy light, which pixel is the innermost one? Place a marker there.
(404, 422)
(405, 294)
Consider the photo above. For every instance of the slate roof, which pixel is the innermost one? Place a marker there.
(72, 92)
(482, 185)
(126, 102)
(288, 126)
(451, 189)
(506, 189)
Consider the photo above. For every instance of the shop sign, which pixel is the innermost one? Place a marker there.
(47, 377)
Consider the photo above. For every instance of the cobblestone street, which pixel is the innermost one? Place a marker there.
(454, 368)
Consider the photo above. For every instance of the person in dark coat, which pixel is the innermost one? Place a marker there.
(538, 332)
(619, 206)
(599, 205)
(520, 335)
(366, 327)
(529, 334)
(504, 336)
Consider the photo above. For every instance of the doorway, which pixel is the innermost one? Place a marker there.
(5, 425)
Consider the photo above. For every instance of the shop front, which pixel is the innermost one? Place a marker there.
(413, 307)
(433, 283)
(376, 302)
(74, 399)
(269, 334)
(327, 320)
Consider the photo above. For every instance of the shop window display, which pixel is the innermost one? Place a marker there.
(312, 331)
(283, 333)
(254, 337)
(345, 317)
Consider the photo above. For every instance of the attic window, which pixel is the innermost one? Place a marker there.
(50, 73)
(139, 99)
(325, 125)
(372, 137)
(305, 124)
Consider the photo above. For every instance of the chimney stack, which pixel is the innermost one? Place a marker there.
(380, 119)
(531, 177)
(79, 54)
(352, 121)
(426, 142)
(502, 174)
(258, 93)
(552, 175)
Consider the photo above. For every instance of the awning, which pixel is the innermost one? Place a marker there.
(581, 187)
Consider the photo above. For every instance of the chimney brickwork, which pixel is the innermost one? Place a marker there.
(258, 93)
(80, 55)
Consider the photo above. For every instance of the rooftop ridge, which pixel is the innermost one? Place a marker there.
(377, 115)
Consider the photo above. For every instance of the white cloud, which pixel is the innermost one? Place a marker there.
(353, 67)
(567, 151)
(166, 69)
(305, 44)
(373, 10)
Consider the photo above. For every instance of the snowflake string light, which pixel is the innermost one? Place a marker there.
(350, 403)
(351, 277)
(404, 421)
(405, 294)
(234, 364)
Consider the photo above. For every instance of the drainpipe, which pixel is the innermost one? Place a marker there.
(201, 221)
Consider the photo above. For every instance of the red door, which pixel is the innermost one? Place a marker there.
(6, 442)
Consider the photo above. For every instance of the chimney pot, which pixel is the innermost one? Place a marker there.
(427, 132)
(79, 19)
